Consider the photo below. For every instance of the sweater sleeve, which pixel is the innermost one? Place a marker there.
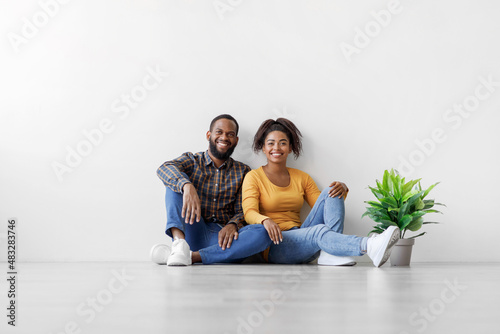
(311, 191)
(250, 201)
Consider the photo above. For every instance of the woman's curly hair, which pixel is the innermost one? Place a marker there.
(281, 124)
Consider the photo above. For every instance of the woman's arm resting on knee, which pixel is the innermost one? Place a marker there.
(273, 230)
(338, 189)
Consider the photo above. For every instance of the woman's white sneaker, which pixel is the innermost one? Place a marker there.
(327, 259)
(380, 246)
(180, 255)
(159, 253)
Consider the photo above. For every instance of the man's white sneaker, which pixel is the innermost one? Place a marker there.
(159, 253)
(326, 259)
(180, 255)
(379, 247)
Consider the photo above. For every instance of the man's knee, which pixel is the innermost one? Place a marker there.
(172, 196)
(258, 233)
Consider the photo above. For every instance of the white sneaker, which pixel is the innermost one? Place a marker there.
(180, 255)
(326, 259)
(159, 253)
(379, 247)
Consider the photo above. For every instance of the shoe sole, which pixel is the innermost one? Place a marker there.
(152, 251)
(392, 241)
(347, 264)
(176, 264)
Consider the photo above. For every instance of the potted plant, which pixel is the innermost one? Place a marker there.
(402, 204)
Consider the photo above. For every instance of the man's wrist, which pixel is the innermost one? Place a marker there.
(235, 224)
(184, 186)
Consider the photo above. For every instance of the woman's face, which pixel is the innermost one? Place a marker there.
(277, 147)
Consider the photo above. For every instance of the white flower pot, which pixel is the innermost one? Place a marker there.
(401, 253)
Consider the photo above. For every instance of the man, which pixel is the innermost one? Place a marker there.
(203, 200)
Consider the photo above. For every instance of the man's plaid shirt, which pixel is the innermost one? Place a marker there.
(219, 189)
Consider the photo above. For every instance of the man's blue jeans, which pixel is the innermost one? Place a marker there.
(322, 230)
(204, 237)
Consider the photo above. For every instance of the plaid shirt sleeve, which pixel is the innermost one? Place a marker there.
(238, 217)
(175, 173)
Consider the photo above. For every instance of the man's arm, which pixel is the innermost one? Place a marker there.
(239, 217)
(174, 173)
(230, 231)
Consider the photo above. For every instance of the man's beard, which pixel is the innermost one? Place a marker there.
(219, 155)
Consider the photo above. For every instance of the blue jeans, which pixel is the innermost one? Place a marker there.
(204, 237)
(322, 230)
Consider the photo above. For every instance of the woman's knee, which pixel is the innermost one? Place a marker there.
(319, 230)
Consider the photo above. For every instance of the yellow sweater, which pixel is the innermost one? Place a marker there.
(262, 199)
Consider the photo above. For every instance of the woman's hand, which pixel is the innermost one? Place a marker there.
(338, 189)
(273, 230)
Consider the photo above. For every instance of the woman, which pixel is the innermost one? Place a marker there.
(274, 194)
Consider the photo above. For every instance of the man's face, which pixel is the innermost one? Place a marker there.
(222, 138)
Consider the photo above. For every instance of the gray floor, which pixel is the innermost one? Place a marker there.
(147, 298)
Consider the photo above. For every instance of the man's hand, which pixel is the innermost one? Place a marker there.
(338, 189)
(191, 204)
(227, 235)
(273, 230)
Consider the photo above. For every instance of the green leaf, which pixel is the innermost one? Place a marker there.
(403, 223)
(417, 214)
(408, 195)
(429, 189)
(415, 225)
(419, 205)
(391, 186)
(376, 193)
(414, 198)
(408, 186)
(394, 181)
(380, 188)
(416, 236)
(375, 204)
(403, 211)
(376, 230)
(428, 203)
(385, 181)
(390, 201)
(386, 223)
(432, 211)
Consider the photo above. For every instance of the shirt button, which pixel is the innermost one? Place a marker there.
(216, 184)
(217, 170)
(214, 199)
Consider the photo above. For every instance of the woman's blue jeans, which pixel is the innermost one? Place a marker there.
(322, 230)
(204, 237)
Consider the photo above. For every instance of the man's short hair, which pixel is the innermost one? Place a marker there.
(225, 116)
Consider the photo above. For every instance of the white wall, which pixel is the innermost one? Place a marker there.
(256, 60)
